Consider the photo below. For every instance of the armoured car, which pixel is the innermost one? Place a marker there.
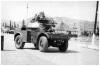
(40, 31)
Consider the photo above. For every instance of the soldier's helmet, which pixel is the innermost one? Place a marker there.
(41, 15)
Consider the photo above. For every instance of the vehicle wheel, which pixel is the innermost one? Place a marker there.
(64, 46)
(43, 44)
(18, 42)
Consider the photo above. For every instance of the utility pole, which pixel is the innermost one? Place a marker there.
(94, 30)
(27, 16)
(27, 10)
(96, 17)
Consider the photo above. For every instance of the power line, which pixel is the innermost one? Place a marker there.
(27, 10)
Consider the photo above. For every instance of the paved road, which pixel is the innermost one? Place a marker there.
(27, 56)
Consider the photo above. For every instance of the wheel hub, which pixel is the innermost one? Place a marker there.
(18, 41)
(41, 44)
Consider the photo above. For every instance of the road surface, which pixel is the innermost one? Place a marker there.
(75, 55)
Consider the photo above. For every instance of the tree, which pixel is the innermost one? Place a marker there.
(18, 25)
(62, 26)
(10, 25)
(14, 25)
(5, 25)
(23, 25)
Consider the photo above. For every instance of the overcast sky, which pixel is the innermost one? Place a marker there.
(17, 11)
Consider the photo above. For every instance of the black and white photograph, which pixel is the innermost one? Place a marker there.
(41, 32)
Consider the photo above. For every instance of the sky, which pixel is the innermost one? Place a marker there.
(17, 10)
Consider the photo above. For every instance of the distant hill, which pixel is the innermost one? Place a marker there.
(70, 24)
(83, 25)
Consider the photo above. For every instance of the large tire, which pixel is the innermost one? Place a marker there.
(64, 46)
(18, 42)
(43, 44)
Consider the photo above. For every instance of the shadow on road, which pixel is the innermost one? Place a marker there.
(72, 51)
(55, 50)
(30, 48)
(50, 50)
(8, 50)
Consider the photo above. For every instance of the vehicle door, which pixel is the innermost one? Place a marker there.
(35, 32)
